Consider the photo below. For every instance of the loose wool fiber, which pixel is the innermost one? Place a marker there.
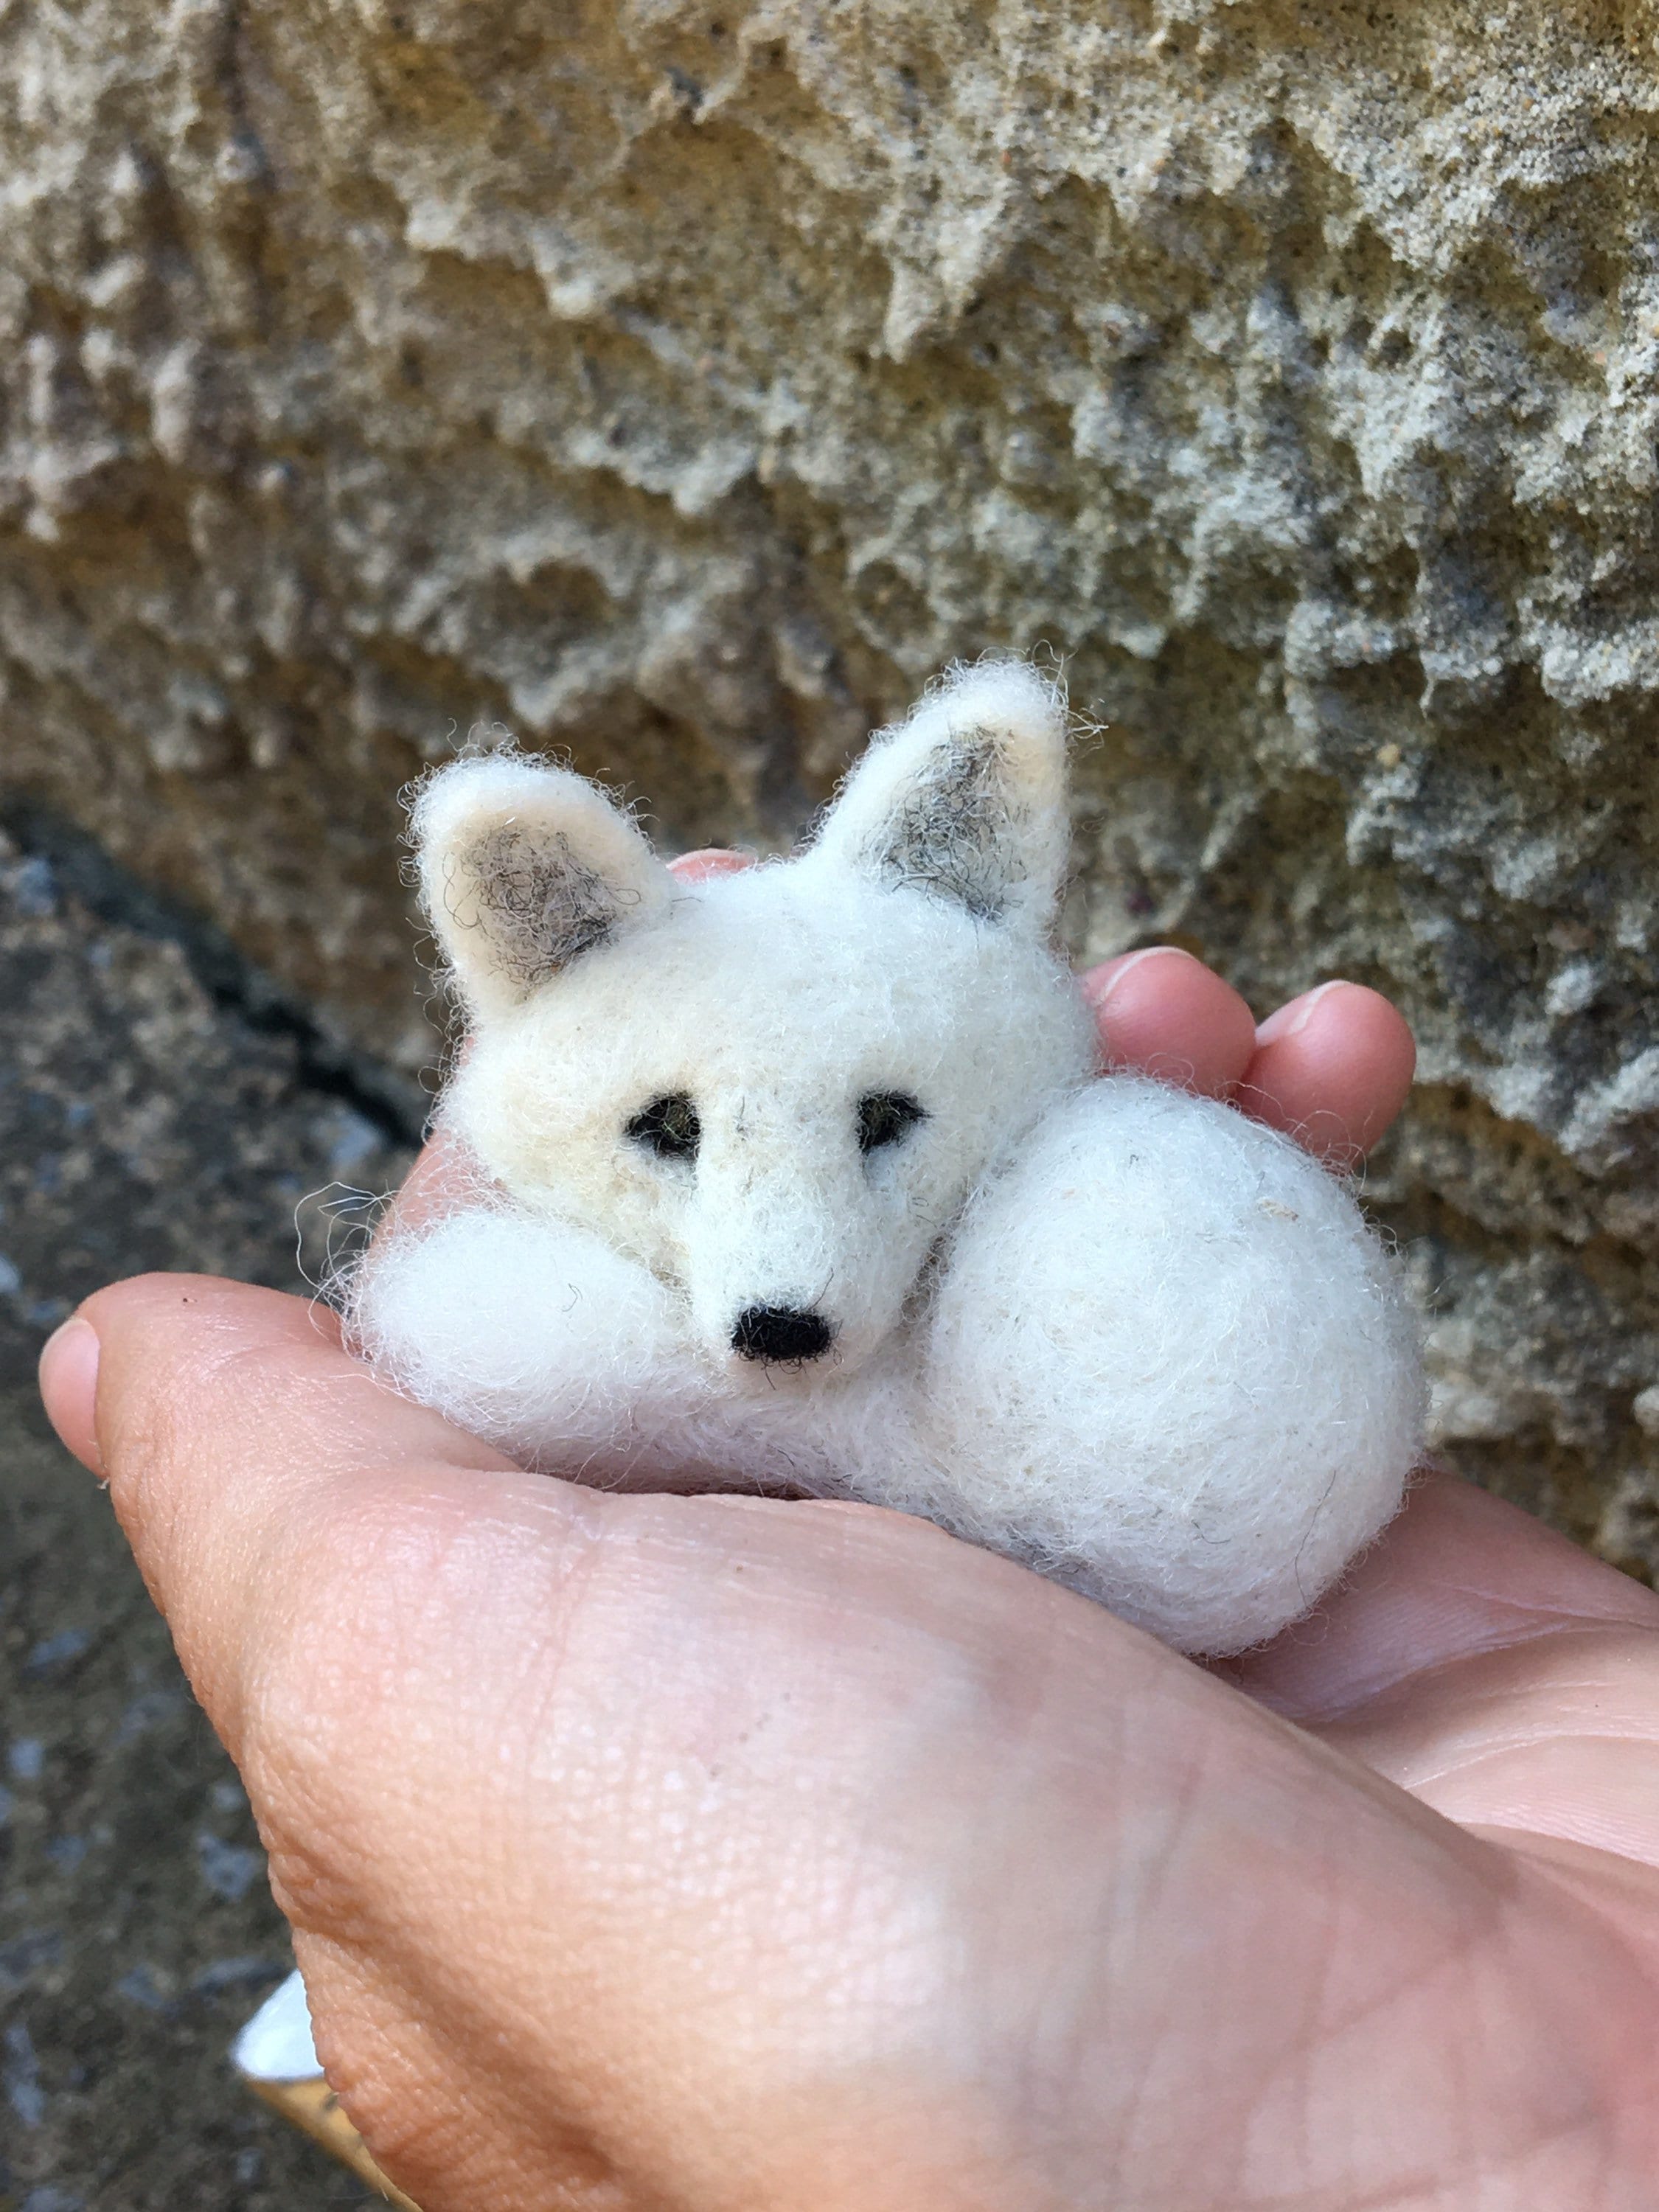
(804, 1179)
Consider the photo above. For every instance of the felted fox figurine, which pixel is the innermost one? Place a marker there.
(806, 1179)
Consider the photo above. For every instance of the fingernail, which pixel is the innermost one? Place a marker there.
(1292, 1019)
(711, 861)
(1100, 989)
(68, 1388)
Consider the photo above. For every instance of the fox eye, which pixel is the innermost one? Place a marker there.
(884, 1116)
(668, 1127)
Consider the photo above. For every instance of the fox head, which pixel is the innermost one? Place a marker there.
(774, 1088)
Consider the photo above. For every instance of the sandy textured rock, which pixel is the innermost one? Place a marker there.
(680, 384)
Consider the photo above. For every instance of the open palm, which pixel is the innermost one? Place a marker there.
(723, 1853)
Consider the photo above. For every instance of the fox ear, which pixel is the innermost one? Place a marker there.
(523, 869)
(965, 800)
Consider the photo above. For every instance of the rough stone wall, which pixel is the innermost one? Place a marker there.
(680, 385)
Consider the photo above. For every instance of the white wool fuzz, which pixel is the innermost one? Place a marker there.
(802, 1179)
(1168, 1363)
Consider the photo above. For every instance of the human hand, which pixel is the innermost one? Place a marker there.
(729, 1853)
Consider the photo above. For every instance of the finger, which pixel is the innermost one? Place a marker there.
(69, 1383)
(1165, 1014)
(1332, 1068)
(1491, 1667)
(1459, 1572)
(710, 860)
(446, 1176)
(241, 1444)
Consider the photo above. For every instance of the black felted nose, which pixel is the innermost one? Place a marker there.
(779, 1333)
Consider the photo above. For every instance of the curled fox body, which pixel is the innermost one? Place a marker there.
(805, 1179)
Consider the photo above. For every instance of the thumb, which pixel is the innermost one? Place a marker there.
(241, 1442)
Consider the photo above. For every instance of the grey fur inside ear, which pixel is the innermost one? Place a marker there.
(538, 902)
(524, 869)
(965, 800)
(953, 832)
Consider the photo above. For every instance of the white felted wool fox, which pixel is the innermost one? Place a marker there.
(805, 1179)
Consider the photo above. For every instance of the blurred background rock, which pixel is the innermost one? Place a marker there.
(152, 1114)
(678, 386)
